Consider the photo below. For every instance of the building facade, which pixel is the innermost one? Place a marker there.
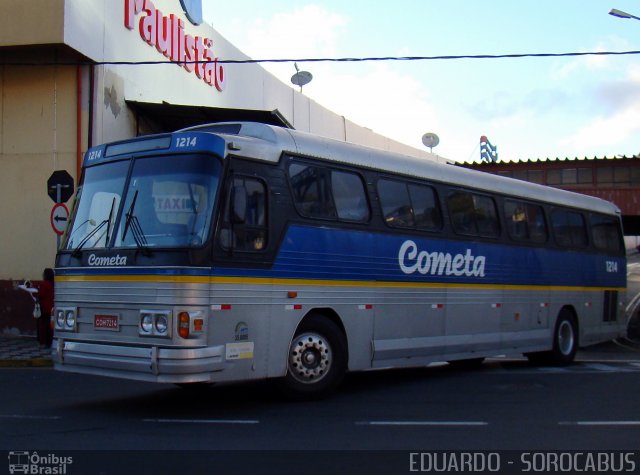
(71, 77)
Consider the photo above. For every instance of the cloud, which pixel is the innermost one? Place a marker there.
(564, 69)
(375, 96)
(616, 107)
(607, 132)
(503, 105)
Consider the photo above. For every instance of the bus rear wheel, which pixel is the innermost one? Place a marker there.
(565, 342)
(316, 361)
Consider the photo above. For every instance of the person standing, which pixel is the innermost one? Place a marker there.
(45, 296)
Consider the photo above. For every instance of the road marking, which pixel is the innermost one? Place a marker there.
(604, 367)
(24, 416)
(601, 423)
(202, 421)
(424, 423)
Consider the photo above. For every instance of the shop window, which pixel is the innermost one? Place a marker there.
(520, 175)
(621, 175)
(536, 176)
(585, 176)
(554, 177)
(604, 175)
(569, 176)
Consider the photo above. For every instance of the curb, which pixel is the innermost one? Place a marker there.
(30, 363)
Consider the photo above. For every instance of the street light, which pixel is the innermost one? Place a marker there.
(621, 14)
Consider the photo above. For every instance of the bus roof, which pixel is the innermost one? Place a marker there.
(267, 142)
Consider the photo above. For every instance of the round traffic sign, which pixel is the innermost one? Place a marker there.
(59, 218)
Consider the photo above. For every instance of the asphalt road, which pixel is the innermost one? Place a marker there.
(504, 405)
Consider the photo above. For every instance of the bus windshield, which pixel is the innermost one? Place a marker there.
(167, 202)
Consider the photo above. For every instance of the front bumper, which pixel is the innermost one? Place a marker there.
(143, 363)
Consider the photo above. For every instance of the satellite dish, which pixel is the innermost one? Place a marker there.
(301, 78)
(430, 140)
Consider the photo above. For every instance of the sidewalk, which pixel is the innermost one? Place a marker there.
(23, 351)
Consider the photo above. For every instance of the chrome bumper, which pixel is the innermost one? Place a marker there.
(144, 363)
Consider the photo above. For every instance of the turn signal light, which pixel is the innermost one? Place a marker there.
(184, 321)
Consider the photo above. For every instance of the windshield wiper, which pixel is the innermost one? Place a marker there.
(132, 222)
(107, 222)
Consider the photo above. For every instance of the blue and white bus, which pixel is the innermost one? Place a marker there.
(239, 251)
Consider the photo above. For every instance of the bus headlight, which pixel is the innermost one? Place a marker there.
(146, 323)
(70, 319)
(65, 319)
(59, 319)
(161, 324)
(155, 323)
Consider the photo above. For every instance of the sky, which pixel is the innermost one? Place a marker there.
(531, 108)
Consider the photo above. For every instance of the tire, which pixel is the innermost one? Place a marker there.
(316, 360)
(565, 343)
(565, 339)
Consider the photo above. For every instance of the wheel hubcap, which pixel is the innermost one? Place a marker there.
(565, 338)
(310, 358)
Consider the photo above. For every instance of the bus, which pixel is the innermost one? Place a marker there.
(241, 251)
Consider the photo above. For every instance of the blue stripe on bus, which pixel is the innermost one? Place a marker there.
(313, 253)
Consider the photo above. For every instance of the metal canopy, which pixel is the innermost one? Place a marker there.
(169, 117)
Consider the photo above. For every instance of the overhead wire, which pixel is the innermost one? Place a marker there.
(326, 60)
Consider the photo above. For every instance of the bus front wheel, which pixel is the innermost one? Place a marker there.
(316, 361)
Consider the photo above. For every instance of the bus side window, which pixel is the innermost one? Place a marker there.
(473, 215)
(569, 228)
(525, 221)
(312, 191)
(396, 204)
(349, 196)
(605, 231)
(425, 207)
(251, 233)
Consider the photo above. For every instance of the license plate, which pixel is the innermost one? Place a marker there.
(106, 322)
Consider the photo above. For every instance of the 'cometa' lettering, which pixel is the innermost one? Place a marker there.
(117, 260)
(439, 263)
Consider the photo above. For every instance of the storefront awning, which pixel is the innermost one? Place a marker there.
(167, 117)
